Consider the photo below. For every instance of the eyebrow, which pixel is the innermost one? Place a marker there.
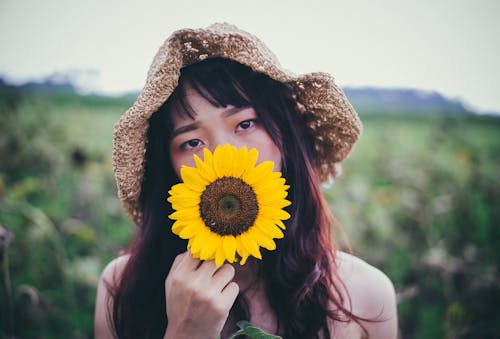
(195, 125)
(184, 129)
(232, 111)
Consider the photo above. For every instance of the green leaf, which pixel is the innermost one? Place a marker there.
(252, 332)
(243, 324)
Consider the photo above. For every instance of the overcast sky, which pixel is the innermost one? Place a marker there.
(451, 46)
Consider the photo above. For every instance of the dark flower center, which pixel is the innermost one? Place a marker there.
(228, 206)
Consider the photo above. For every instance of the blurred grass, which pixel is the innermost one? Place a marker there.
(419, 199)
(58, 199)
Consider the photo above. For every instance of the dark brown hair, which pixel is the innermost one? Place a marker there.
(300, 277)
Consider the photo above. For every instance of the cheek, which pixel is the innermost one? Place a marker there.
(268, 151)
(179, 160)
(275, 156)
(177, 167)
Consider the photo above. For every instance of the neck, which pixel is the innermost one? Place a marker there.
(246, 276)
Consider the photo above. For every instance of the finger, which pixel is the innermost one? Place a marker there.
(188, 263)
(223, 276)
(177, 261)
(183, 265)
(207, 269)
(175, 266)
(229, 294)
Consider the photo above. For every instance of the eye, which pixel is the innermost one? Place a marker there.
(192, 144)
(247, 124)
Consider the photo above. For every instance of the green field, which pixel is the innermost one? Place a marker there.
(419, 198)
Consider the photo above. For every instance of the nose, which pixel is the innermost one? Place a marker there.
(221, 138)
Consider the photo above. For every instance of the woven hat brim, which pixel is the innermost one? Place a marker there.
(333, 121)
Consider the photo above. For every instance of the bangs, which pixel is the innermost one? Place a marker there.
(217, 80)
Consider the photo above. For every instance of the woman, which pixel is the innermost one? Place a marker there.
(220, 86)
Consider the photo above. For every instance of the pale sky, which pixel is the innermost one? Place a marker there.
(451, 46)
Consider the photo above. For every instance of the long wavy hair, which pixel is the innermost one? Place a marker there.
(300, 277)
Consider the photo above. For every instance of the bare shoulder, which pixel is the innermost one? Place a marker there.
(369, 288)
(110, 277)
(371, 295)
(113, 271)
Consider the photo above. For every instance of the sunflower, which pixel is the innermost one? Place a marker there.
(227, 206)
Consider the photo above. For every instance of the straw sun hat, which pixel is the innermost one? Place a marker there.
(332, 120)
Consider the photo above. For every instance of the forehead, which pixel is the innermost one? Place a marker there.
(198, 88)
(194, 99)
(189, 104)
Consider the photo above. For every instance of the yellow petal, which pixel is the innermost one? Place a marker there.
(244, 160)
(223, 162)
(243, 260)
(229, 245)
(259, 172)
(219, 257)
(240, 248)
(195, 255)
(270, 195)
(199, 240)
(280, 224)
(190, 230)
(184, 198)
(206, 171)
(192, 179)
(208, 250)
(185, 214)
(248, 159)
(269, 244)
(281, 203)
(250, 245)
(274, 213)
(269, 228)
(275, 175)
(180, 190)
(231, 164)
(270, 186)
(264, 240)
(208, 158)
(179, 203)
(238, 161)
(178, 226)
(190, 248)
(176, 188)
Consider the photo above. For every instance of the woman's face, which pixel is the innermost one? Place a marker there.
(213, 126)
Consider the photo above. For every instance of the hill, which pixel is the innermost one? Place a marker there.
(403, 101)
(366, 100)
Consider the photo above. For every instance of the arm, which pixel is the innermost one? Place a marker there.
(103, 329)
